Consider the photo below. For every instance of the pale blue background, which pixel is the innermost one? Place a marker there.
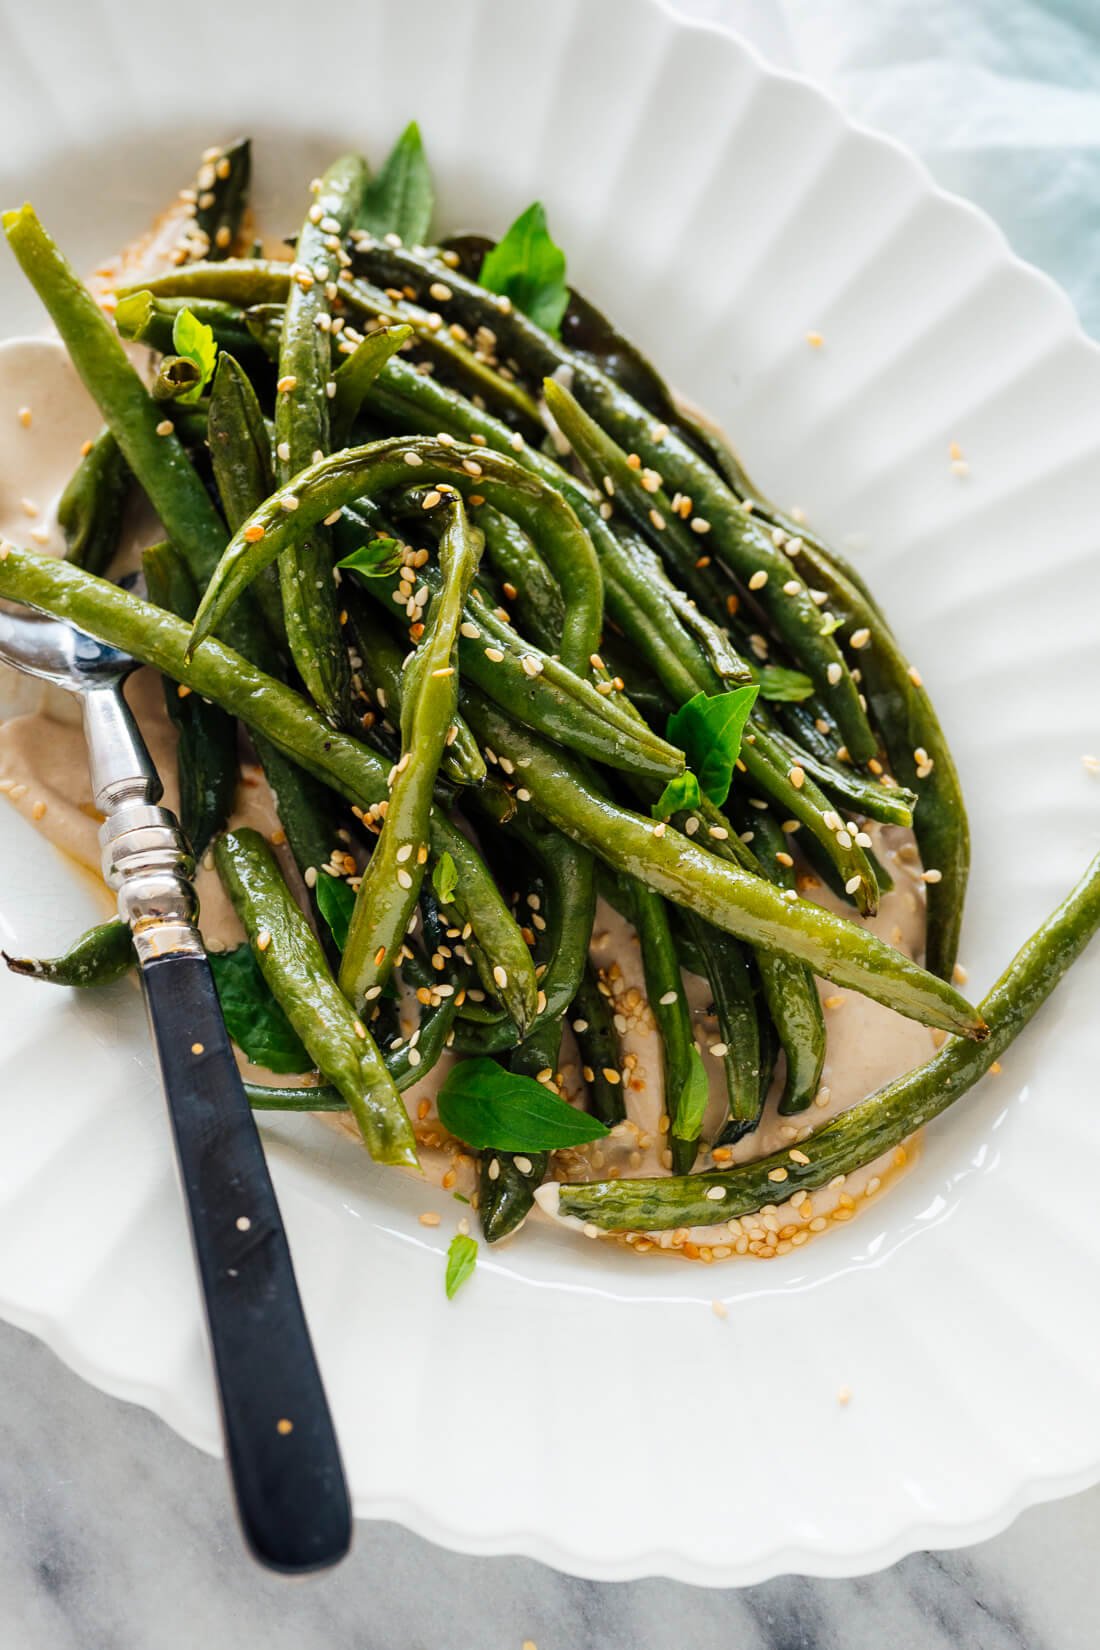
(115, 1535)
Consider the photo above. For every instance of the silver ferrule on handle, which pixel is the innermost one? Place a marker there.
(145, 856)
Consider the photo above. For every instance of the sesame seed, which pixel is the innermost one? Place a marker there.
(852, 884)
(263, 939)
(691, 825)
(360, 1030)
(404, 880)
(915, 676)
(429, 1218)
(959, 974)
(814, 339)
(500, 977)
(715, 1194)
(835, 1001)
(310, 876)
(39, 810)
(699, 525)
(254, 533)
(719, 1308)
(430, 500)
(844, 1396)
(931, 876)
(288, 502)
(165, 427)
(198, 1048)
(611, 1075)
(859, 638)
(798, 1157)
(523, 1164)
(243, 1223)
(719, 1050)
(494, 1169)
(440, 292)
(797, 777)
(834, 672)
(791, 588)
(286, 384)
(669, 997)
(471, 466)
(494, 654)
(657, 519)
(24, 416)
(777, 1174)
(759, 580)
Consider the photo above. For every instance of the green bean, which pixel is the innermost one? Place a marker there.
(310, 600)
(222, 191)
(909, 725)
(354, 377)
(566, 888)
(330, 484)
(99, 957)
(724, 965)
(891, 804)
(732, 534)
(512, 553)
(382, 660)
(507, 1180)
(789, 988)
(291, 724)
(90, 509)
(867, 1130)
(158, 461)
(206, 753)
(144, 319)
(241, 457)
(243, 282)
(668, 1004)
(543, 692)
(598, 1044)
(176, 376)
(293, 965)
(390, 886)
(728, 897)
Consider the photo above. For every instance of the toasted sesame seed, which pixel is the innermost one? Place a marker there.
(758, 580)
(263, 939)
(430, 500)
(24, 416)
(859, 638)
(429, 1218)
(165, 427)
(440, 292)
(286, 384)
(797, 777)
(798, 1157)
(915, 676)
(834, 672)
(657, 519)
(494, 654)
(611, 1075)
(699, 525)
(254, 533)
(777, 1174)
(360, 1030)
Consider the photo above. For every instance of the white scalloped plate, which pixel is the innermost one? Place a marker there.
(574, 1404)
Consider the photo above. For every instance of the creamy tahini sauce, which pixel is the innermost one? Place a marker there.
(45, 416)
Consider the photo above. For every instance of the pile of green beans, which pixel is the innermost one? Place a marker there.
(453, 575)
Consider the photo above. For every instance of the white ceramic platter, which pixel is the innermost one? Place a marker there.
(573, 1403)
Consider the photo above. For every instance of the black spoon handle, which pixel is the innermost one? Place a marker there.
(281, 1447)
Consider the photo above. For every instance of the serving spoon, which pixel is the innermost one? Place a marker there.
(280, 1443)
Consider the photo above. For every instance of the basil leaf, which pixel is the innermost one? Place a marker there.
(529, 268)
(132, 315)
(708, 729)
(194, 340)
(253, 1018)
(786, 686)
(461, 1260)
(681, 792)
(687, 1119)
(399, 199)
(336, 902)
(492, 1109)
(445, 878)
(376, 560)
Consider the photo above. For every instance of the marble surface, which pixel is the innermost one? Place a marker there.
(116, 1535)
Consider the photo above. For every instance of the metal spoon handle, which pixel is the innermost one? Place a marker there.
(280, 1442)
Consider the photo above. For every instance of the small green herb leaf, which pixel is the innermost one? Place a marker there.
(253, 1018)
(529, 268)
(787, 686)
(681, 792)
(399, 198)
(376, 560)
(687, 1120)
(445, 878)
(708, 729)
(194, 340)
(829, 623)
(496, 1110)
(336, 902)
(461, 1260)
